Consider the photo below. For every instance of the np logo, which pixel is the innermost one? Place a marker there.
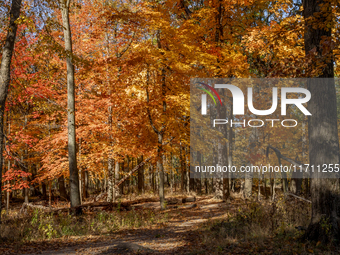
(238, 99)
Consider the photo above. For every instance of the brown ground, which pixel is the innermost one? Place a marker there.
(178, 236)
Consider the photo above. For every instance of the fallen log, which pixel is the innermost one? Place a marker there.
(40, 207)
(127, 206)
(188, 199)
(100, 196)
(188, 206)
(290, 194)
(172, 207)
(172, 201)
(107, 205)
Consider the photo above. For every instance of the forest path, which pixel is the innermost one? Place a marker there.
(177, 236)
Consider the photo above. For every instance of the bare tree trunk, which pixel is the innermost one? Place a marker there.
(323, 138)
(182, 163)
(161, 171)
(304, 158)
(159, 131)
(187, 173)
(230, 148)
(80, 173)
(110, 182)
(199, 179)
(248, 181)
(50, 194)
(117, 192)
(248, 185)
(86, 184)
(265, 186)
(74, 178)
(272, 187)
(44, 193)
(7, 192)
(141, 177)
(259, 187)
(171, 175)
(5, 75)
(296, 181)
(62, 190)
(153, 178)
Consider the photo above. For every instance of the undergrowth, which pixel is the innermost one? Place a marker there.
(37, 225)
(262, 227)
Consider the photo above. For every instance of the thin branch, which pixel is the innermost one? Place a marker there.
(133, 170)
(287, 193)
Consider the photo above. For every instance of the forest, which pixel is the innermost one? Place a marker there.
(112, 111)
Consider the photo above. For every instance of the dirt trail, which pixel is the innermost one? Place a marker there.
(176, 237)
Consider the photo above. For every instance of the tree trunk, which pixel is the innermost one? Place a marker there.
(44, 193)
(72, 154)
(62, 190)
(187, 174)
(304, 158)
(140, 177)
(248, 185)
(230, 148)
(86, 184)
(5, 75)
(296, 183)
(152, 178)
(182, 163)
(50, 194)
(159, 131)
(199, 178)
(221, 181)
(161, 171)
(7, 192)
(116, 180)
(110, 181)
(272, 187)
(322, 129)
(248, 181)
(259, 187)
(171, 175)
(265, 186)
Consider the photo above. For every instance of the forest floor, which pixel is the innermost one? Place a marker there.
(208, 227)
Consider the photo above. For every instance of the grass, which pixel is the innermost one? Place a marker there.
(257, 228)
(245, 228)
(41, 226)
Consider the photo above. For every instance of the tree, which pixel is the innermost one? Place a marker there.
(5, 74)
(323, 139)
(72, 153)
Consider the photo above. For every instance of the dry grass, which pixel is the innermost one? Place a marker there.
(37, 225)
(263, 227)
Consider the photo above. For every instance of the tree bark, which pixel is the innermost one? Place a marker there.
(116, 180)
(199, 179)
(161, 171)
(171, 174)
(182, 163)
(140, 177)
(62, 190)
(110, 181)
(72, 154)
(322, 128)
(221, 181)
(5, 75)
